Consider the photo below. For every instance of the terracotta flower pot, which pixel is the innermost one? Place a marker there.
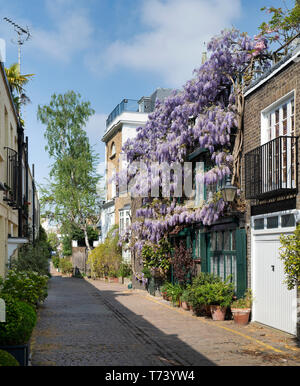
(218, 313)
(185, 306)
(241, 315)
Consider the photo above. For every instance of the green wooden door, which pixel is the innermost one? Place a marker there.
(226, 255)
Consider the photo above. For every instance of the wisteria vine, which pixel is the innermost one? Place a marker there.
(205, 114)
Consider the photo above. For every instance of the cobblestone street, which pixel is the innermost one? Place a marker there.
(93, 323)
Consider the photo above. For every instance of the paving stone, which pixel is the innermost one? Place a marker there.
(93, 323)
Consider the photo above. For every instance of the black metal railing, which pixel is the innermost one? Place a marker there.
(272, 169)
(12, 172)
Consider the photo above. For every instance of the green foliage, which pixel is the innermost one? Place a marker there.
(55, 261)
(208, 289)
(53, 241)
(33, 257)
(65, 266)
(26, 286)
(244, 302)
(6, 359)
(67, 246)
(20, 321)
(147, 273)
(125, 270)
(290, 255)
(17, 81)
(78, 234)
(173, 291)
(220, 293)
(283, 25)
(106, 257)
(71, 194)
(157, 257)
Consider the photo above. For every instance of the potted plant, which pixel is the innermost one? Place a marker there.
(219, 297)
(113, 276)
(175, 293)
(166, 290)
(185, 297)
(241, 308)
(16, 331)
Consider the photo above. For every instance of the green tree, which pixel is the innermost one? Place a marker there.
(283, 27)
(71, 193)
(53, 241)
(17, 81)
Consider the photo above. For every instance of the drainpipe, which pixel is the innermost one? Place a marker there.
(26, 182)
(20, 132)
(33, 206)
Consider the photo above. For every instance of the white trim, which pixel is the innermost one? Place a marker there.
(273, 73)
(277, 230)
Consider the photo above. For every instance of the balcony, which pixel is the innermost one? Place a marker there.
(272, 169)
(12, 172)
(130, 105)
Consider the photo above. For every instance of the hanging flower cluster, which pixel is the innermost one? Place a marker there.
(203, 114)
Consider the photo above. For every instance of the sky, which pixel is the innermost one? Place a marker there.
(108, 50)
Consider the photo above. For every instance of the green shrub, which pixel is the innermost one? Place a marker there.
(209, 289)
(157, 257)
(220, 293)
(55, 261)
(166, 289)
(174, 291)
(244, 302)
(29, 287)
(20, 321)
(125, 270)
(107, 256)
(6, 359)
(33, 258)
(290, 255)
(65, 266)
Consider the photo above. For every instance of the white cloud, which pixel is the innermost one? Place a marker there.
(177, 30)
(71, 32)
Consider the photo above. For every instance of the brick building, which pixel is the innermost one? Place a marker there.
(121, 125)
(271, 186)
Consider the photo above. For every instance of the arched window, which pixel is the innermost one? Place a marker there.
(113, 150)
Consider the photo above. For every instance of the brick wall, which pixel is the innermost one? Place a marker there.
(277, 87)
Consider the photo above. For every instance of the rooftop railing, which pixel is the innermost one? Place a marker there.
(126, 105)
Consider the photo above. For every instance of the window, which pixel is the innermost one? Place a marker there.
(288, 220)
(274, 221)
(124, 221)
(280, 120)
(279, 156)
(113, 150)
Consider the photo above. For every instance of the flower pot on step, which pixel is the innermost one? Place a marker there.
(217, 312)
(241, 315)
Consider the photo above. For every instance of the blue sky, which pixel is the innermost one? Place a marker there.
(108, 50)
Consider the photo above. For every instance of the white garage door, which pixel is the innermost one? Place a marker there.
(274, 304)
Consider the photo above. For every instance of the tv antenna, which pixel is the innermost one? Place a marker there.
(23, 36)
